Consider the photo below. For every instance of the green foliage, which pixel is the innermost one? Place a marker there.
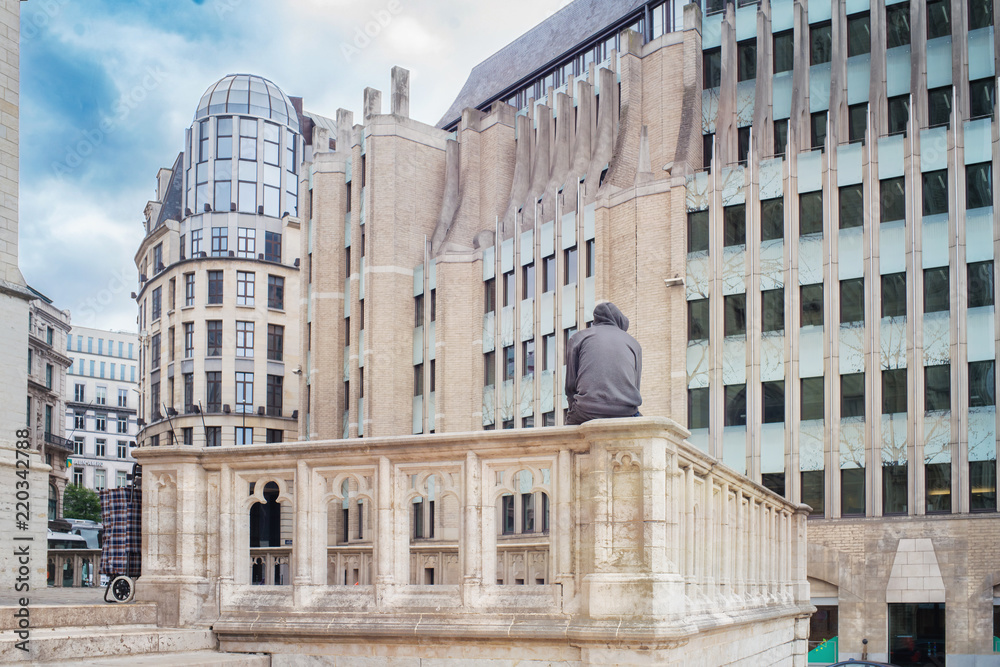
(81, 503)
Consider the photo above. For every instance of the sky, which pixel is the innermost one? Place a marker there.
(108, 88)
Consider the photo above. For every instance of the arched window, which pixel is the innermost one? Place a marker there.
(265, 519)
(422, 510)
(524, 511)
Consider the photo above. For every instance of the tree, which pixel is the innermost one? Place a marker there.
(81, 503)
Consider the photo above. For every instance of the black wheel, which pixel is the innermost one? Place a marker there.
(122, 589)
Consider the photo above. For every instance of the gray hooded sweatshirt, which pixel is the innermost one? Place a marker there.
(603, 366)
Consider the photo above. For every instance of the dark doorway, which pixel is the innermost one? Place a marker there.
(916, 634)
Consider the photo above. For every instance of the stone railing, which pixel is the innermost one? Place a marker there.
(73, 567)
(616, 530)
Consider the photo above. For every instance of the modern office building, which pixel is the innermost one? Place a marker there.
(102, 399)
(48, 328)
(792, 202)
(219, 274)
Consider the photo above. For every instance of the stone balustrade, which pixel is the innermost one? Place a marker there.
(616, 536)
(73, 567)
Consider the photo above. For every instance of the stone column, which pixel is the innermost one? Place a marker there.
(471, 533)
(563, 537)
(301, 552)
(385, 542)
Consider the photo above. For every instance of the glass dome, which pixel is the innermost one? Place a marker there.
(247, 94)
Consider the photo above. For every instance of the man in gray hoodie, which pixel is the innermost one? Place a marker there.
(603, 366)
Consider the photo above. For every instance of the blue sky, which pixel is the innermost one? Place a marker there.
(109, 86)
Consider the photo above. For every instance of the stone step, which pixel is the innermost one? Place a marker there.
(70, 645)
(186, 658)
(69, 615)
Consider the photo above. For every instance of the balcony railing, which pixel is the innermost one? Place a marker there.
(59, 441)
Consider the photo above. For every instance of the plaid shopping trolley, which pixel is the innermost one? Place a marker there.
(121, 554)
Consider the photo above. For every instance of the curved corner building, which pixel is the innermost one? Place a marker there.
(217, 269)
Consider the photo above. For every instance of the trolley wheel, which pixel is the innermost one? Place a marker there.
(121, 590)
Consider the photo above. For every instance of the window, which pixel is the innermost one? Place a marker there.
(549, 352)
(590, 261)
(213, 347)
(746, 60)
(937, 297)
(101, 396)
(78, 445)
(246, 242)
(220, 241)
(215, 287)
(852, 492)
(736, 405)
(188, 392)
(852, 300)
(244, 288)
(489, 296)
(275, 292)
(122, 449)
(48, 335)
(698, 407)
(859, 35)
(273, 435)
(812, 403)
(418, 311)
(735, 315)
(981, 97)
(857, 122)
(893, 199)
(743, 144)
(893, 391)
(418, 380)
(489, 369)
(772, 307)
(155, 351)
(980, 284)
(100, 448)
(188, 289)
(122, 424)
(773, 407)
(188, 340)
(982, 384)
(244, 339)
(937, 479)
(244, 393)
(275, 342)
(99, 479)
(712, 59)
(195, 242)
(527, 357)
(569, 265)
(155, 309)
(213, 436)
(121, 479)
(980, 16)
(123, 398)
(509, 290)
(852, 206)
(697, 231)
(818, 129)
(707, 144)
(780, 136)
(772, 219)
(272, 247)
(784, 52)
(820, 43)
(938, 18)
(894, 488)
(698, 319)
(79, 420)
(939, 106)
(735, 223)
(894, 295)
(812, 304)
(852, 395)
(528, 281)
(79, 393)
(508, 363)
(811, 213)
(897, 25)
(899, 114)
(937, 387)
(979, 185)
(274, 395)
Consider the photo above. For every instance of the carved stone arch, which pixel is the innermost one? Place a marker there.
(258, 492)
(626, 461)
(420, 489)
(511, 471)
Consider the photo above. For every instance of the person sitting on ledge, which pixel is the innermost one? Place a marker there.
(603, 366)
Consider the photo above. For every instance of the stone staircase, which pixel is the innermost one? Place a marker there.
(92, 635)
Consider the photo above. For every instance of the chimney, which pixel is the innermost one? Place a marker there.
(401, 92)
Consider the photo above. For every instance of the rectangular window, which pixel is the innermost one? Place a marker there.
(79, 420)
(418, 380)
(746, 54)
(820, 43)
(697, 231)
(937, 487)
(220, 241)
(938, 18)
(549, 352)
(275, 384)
(772, 219)
(935, 192)
(489, 297)
(527, 357)
(894, 485)
(122, 449)
(852, 206)
(859, 35)
(937, 297)
(892, 199)
(698, 407)
(983, 487)
(852, 492)
(244, 288)
(707, 144)
(818, 128)
(188, 289)
(982, 384)
(123, 424)
(899, 114)
(780, 136)
(528, 281)
(188, 392)
(812, 305)
(814, 491)
(712, 72)
(272, 247)
(698, 319)
(937, 388)
(123, 398)
(979, 185)
(188, 340)
(244, 393)
(244, 339)
(852, 395)
(812, 403)
(939, 106)
(980, 284)
(246, 242)
(195, 242)
(743, 144)
(735, 224)
(772, 306)
(590, 261)
(275, 342)
(213, 436)
(893, 391)
(214, 287)
(155, 308)
(735, 320)
(275, 292)
(784, 51)
(78, 445)
(897, 25)
(489, 369)
(811, 213)
(852, 300)
(509, 289)
(508, 363)
(154, 351)
(773, 403)
(548, 274)
(570, 266)
(981, 16)
(213, 347)
(736, 405)
(100, 479)
(273, 435)
(101, 396)
(101, 421)
(183, 248)
(982, 96)
(101, 448)
(894, 295)
(857, 122)
(79, 393)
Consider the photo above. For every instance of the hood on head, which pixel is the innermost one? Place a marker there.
(608, 313)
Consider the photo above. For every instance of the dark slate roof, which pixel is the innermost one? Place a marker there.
(174, 199)
(555, 36)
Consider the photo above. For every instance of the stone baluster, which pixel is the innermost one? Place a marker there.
(301, 551)
(562, 544)
(385, 542)
(470, 535)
